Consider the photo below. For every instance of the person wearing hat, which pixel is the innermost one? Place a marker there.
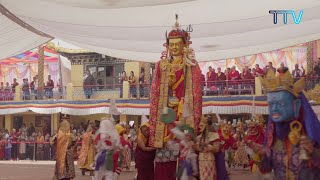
(64, 140)
(107, 143)
(87, 152)
(144, 154)
(207, 145)
(126, 163)
(241, 155)
(187, 161)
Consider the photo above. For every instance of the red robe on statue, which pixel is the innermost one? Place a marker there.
(165, 163)
(196, 94)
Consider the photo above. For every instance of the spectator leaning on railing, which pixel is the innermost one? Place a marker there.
(49, 87)
(34, 87)
(88, 84)
(297, 73)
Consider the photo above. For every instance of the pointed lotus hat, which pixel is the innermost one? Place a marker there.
(113, 108)
(144, 119)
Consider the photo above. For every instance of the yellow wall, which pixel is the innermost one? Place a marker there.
(8, 122)
(132, 66)
(77, 75)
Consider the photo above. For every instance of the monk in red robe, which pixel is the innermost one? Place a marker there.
(211, 77)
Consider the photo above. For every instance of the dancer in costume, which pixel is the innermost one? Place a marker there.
(255, 133)
(227, 141)
(207, 145)
(125, 150)
(144, 154)
(241, 156)
(291, 147)
(64, 142)
(187, 162)
(107, 145)
(87, 152)
(176, 87)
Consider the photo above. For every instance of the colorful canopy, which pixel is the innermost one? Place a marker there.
(31, 56)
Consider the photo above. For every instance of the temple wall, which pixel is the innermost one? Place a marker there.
(132, 66)
(77, 74)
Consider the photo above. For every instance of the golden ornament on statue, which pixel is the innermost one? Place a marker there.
(295, 132)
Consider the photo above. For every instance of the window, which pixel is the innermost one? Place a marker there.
(109, 71)
(107, 76)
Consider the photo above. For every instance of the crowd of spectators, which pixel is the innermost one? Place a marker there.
(29, 89)
(26, 143)
(231, 78)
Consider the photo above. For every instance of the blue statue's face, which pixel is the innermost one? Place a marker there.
(282, 106)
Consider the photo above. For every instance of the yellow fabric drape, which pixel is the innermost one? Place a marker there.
(62, 147)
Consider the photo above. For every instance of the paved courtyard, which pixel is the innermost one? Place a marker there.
(26, 170)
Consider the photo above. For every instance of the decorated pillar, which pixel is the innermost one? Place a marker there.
(41, 70)
(147, 77)
(310, 83)
(310, 60)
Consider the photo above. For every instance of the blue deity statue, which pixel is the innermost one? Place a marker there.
(291, 148)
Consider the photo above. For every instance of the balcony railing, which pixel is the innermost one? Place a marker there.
(126, 91)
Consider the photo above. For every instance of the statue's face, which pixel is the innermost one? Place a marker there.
(282, 106)
(176, 46)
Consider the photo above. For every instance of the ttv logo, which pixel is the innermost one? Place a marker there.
(285, 14)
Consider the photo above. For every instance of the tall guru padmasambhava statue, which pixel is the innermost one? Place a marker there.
(176, 94)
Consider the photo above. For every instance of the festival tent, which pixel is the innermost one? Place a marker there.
(135, 30)
(25, 65)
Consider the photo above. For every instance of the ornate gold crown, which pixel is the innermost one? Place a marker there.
(313, 94)
(284, 81)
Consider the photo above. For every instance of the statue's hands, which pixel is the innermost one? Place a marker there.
(256, 148)
(306, 144)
